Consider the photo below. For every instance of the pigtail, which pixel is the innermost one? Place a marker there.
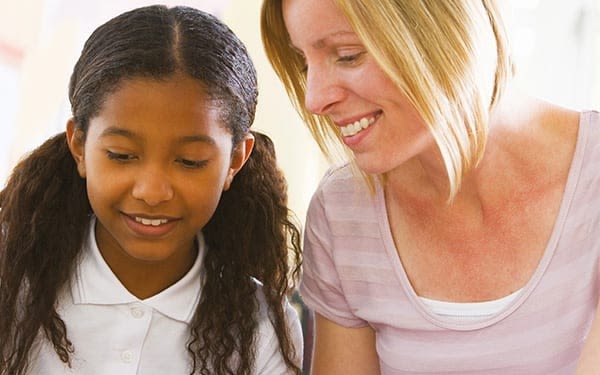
(251, 235)
(43, 219)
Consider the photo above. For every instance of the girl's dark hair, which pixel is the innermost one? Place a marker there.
(45, 211)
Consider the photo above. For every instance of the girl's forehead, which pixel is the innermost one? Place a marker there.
(174, 105)
(166, 95)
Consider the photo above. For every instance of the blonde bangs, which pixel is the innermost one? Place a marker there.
(428, 48)
(289, 67)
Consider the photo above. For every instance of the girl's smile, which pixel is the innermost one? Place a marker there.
(156, 160)
(145, 227)
(126, 243)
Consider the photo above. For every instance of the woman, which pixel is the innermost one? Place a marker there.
(466, 244)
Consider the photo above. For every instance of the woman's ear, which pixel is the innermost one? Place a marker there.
(76, 142)
(241, 153)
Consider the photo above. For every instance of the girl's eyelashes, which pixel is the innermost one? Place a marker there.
(119, 156)
(192, 164)
(186, 163)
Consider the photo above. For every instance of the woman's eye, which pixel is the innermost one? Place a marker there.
(192, 164)
(304, 68)
(119, 157)
(303, 65)
(352, 58)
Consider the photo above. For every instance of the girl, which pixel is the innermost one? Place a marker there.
(474, 250)
(153, 236)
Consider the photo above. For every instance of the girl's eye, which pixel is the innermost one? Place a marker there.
(192, 164)
(119, 157)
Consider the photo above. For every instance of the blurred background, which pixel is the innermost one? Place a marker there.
(556, 44)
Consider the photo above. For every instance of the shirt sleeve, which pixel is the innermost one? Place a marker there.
(269, 360)
(321, 288)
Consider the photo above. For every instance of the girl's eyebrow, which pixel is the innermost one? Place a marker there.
(116, 131)
(197, 138)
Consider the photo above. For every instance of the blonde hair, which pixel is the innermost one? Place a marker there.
(429, 49)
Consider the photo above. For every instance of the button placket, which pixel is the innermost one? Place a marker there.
(128, 349)
(137, 312)
(127, 356)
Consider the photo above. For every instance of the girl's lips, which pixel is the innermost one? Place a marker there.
(153, 222)
(145, 227)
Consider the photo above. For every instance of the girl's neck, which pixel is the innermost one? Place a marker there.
(141, 278)
(147, 280)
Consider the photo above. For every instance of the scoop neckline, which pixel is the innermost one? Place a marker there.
(527, 289)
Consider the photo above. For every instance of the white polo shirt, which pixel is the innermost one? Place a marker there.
(113, 332)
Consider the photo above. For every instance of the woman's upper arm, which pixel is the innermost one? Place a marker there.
(589, 362)
(342, 350)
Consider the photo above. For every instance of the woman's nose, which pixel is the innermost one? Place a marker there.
(323, 90)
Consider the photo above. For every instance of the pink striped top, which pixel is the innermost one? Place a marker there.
(353, 276)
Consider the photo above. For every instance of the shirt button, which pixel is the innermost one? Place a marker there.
(137, 313)
(127, 356)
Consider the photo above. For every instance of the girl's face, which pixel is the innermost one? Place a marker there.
(344, 82)
(156, 160)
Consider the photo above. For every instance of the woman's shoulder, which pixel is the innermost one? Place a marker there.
(587, 153)
(343, 192)
(345, 178)
(546, 137)
(591, 118)
(581, 128)
(341, 171)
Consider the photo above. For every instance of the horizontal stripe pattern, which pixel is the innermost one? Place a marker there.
(353, 276)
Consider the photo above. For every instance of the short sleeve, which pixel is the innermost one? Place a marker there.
(269, 360)
(321, 288)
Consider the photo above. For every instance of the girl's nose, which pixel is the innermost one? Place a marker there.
(153, 187)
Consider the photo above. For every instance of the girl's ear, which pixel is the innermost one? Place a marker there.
(241, 153)
(76, 143)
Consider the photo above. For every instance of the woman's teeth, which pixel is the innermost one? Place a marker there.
(352, 129)
(153, 222)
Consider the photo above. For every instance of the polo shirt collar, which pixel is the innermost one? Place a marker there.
(95, 283)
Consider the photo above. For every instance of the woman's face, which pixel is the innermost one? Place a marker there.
(344, 83)
(156, 160)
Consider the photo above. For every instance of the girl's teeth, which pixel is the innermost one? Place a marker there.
(357, 126)
(153, 222)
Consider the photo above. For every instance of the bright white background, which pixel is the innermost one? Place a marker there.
(556, 44)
